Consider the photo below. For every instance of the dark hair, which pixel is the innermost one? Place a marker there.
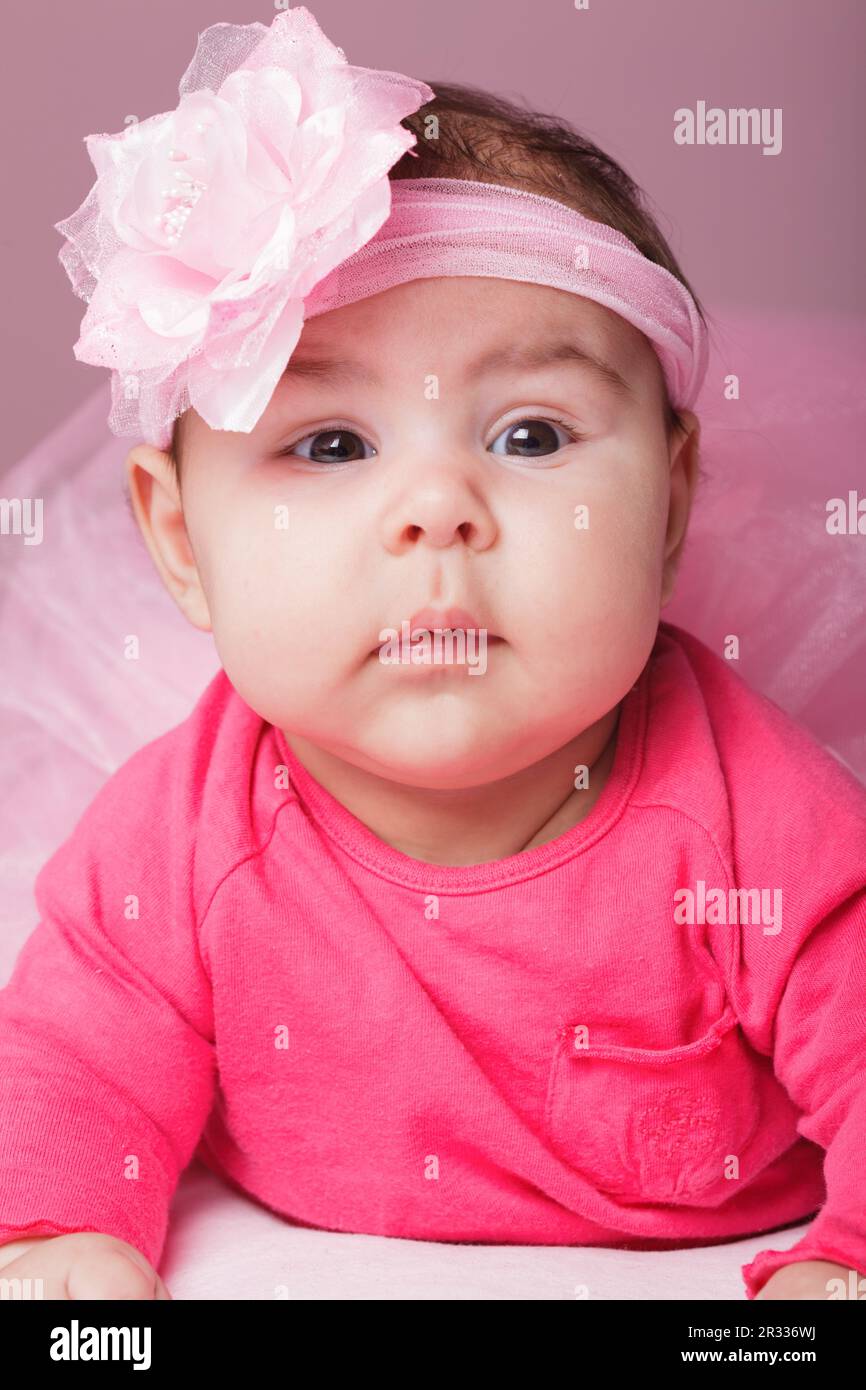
(467, 133)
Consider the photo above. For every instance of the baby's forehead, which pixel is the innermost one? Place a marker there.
(474, 312)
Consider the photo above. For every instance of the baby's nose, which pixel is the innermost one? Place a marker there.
(440, 514)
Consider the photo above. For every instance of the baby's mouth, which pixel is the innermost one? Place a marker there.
(470, 636)
(440, 627)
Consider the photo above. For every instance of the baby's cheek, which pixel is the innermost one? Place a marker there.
(260, 618)
(608, 591)
(627, 528)
(269, 673)
(615, 542)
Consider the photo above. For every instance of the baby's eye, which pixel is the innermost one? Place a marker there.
(336, 444)
(534, 438)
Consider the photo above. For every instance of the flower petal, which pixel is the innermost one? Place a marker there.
(236, 399)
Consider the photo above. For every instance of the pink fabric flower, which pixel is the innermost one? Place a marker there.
(209, 225)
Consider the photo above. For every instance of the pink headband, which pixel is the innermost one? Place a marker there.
(457, 227)
(213, 231)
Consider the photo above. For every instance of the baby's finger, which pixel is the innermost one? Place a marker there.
(109, 1274)
(40, 1276)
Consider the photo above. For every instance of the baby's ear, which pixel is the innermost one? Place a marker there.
(154, 495)
(685, 470)
(155, 462)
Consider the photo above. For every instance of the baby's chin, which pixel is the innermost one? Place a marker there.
(442, 754)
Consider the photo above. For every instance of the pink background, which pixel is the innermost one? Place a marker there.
(749, 229)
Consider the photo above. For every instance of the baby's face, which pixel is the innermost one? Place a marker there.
(399, 475)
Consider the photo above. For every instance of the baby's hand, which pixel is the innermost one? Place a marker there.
(83, 1264)
(803, 1279)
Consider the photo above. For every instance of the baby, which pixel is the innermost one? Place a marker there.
(472, 902)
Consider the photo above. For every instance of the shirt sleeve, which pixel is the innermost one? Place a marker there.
(107, 1066)
(794, 829)
(819, 1052)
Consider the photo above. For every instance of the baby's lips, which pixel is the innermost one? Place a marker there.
(433, 619)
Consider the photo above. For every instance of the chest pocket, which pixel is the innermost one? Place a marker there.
(653, 1123)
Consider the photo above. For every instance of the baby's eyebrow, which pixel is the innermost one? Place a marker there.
(338, 370)
(556, 353)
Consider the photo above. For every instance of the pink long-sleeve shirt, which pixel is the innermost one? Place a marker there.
(559, 1047)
